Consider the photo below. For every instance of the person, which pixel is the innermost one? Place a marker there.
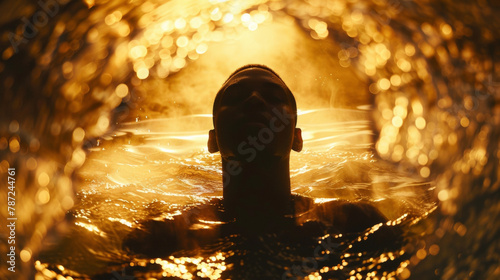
(255, 117)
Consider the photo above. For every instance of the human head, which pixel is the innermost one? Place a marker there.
(254, 112)
(276, 78)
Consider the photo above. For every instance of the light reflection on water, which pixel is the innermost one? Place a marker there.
(131, 179)
(131, 83)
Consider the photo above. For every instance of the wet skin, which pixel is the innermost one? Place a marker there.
(254, 131)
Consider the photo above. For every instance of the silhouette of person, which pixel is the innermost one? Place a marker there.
(254, 117)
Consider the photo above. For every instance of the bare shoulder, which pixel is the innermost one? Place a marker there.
(190, 228)
(344, 216)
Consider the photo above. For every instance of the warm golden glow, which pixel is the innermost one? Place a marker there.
(25, 255)
(120, 92)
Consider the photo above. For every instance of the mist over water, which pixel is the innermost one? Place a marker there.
(106, 110)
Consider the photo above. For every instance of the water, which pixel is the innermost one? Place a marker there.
(107, 122)
(126, 186)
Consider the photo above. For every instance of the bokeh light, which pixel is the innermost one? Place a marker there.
(101, 96)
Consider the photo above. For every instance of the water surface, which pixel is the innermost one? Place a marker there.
(106, 110)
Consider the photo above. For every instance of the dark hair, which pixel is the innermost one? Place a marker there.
(260, 66)
(253, 66)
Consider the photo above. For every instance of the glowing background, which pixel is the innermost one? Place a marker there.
(138, 78)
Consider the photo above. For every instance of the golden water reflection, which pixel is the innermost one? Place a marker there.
(100, 65)
(134, 178)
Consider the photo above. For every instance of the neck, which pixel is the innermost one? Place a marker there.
(257, 190)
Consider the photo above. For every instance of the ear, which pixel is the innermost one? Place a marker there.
(297, 140)
(212, 142)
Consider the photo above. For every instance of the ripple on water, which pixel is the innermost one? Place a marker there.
(116, 79)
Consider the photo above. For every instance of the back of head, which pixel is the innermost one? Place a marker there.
(246, 67)
(255, 115)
